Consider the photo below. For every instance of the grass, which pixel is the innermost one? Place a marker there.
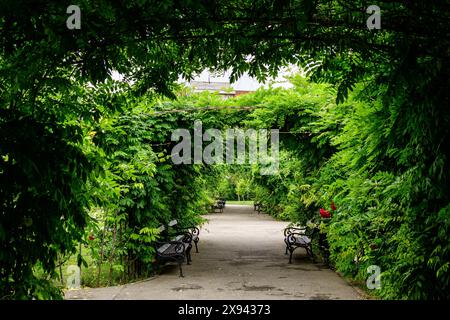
(88, 275)
(249, 203)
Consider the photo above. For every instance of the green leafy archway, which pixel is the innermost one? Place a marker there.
(64, 149)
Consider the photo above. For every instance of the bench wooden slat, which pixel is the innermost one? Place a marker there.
(172, 223)
(303, 240)
(163, 248)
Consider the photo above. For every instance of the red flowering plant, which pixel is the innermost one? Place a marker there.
(327, 214)
(333, 207)
(324, 213)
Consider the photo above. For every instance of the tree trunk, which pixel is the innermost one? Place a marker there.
(60, 272)
(111, 258)
(81, 263)
(102, 252)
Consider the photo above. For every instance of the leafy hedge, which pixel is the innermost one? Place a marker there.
(388, 176)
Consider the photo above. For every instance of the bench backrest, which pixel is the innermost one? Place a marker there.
(163, 248)
(163, 229)
(172, 223)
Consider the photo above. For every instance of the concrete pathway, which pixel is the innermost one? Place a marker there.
(241, 257)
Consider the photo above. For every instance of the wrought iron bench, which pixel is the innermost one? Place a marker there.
(258, 206)
(222, 202)
(174, 247)
(295, 237)
(218, 205)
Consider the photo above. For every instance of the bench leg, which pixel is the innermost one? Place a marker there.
(187, 259)
(310, 252)
(181, 269)
(291, 250)
(196, 245)
(188, 255)
(287, 246)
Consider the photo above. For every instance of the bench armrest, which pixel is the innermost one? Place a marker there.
(194, 231)
(300, 230)
(290, 230)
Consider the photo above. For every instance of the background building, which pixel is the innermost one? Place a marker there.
(220, 83)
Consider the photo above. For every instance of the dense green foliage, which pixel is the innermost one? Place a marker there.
(390, 186)
(75, 146)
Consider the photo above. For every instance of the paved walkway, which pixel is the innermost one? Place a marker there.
(241, 257)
